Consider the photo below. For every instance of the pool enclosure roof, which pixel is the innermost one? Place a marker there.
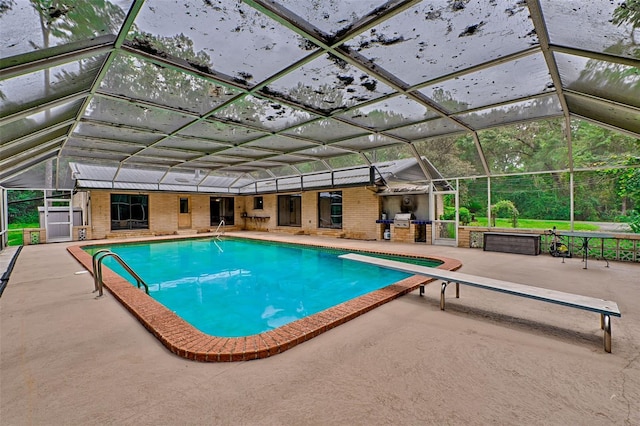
(207, 95)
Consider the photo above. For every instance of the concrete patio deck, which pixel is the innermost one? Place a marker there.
(67, 358)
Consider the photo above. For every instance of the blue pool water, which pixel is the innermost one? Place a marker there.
(235, 287)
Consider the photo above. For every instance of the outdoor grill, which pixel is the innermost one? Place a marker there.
(401, 220)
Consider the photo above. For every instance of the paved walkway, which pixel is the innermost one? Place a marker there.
(5, 258)
(612, 226)
(67, 358)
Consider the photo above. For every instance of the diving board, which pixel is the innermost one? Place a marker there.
(605, 308)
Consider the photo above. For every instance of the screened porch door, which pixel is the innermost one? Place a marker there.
(58, 217)
(445, 228)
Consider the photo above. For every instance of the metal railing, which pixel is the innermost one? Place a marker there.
(98, 258)
(219, 233)
(620, 247)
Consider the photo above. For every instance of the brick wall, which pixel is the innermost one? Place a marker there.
(403, 235)
(464, 237)
(200, 214)
(100, 214)
(163, 213)
(360, 210)
(34, 236)
(258, 219)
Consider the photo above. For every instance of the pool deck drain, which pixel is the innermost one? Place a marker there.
(184, 340)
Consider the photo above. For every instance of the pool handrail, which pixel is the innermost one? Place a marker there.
(97, 259)
(218, 233)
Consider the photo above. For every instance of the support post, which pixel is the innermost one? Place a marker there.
(442, 289)
(607, 333)
(489, 201)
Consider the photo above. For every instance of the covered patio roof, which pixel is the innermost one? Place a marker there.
(254, 91)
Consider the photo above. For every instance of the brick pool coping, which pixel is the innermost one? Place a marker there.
(184, 340)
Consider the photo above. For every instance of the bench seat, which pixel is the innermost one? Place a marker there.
(606, 308)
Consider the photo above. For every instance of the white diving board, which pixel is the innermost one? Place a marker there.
(605, 308)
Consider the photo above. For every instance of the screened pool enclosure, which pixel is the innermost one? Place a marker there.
(224, 96)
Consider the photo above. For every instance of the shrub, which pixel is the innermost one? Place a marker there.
(634, 221)
(508, 206)
(465, 215)
(449, 214)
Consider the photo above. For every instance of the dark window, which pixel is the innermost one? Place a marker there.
(184, 205)
(290, 210)
(129, 211)
(330, 209)
(221, 208)
(258, 203)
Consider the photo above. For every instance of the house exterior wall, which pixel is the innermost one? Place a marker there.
(264, 219)
(163, 213)
(100, 214)
(360, 209)
(200, 215)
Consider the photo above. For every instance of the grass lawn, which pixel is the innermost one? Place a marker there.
(538, 224)
(14, 233)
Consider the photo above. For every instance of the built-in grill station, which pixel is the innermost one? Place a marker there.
(400, 206)
(402, 220)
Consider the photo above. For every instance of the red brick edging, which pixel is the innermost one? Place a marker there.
(184, 340)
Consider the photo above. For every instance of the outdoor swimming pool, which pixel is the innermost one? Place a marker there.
(238, 287)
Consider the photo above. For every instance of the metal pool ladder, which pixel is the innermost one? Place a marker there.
(218, 232)
(98, 258)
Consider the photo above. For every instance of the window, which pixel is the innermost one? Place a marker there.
(184, 205)
(290, 210)
(129, 211)
(330, 209)
(258, 203)
(221, 208)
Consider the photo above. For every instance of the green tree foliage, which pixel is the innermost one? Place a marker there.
(526, 147)
(77, 20)
(23, 206)
(502, 207)
(595, 146)
(452, 155)
(634, 222)
(538, 146)
(464, 215)
(627, 187)
(628, 12)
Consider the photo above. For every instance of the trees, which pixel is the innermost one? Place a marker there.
(600, 194)
(23, 206)
(505, 206)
